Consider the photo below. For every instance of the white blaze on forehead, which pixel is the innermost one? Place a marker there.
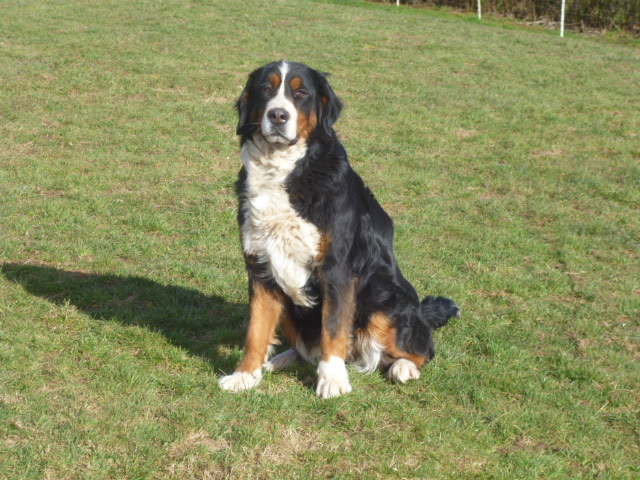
(288, 130)
(284, 69)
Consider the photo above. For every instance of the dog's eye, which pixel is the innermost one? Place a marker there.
(300, 94)
(267, 89)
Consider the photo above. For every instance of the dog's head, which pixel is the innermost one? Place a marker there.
(285, 102)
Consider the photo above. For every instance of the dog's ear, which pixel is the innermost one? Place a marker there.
(243, 110)
(330, 106)
(243, 104)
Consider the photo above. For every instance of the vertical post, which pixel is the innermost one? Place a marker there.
(562, 19)
(479, 10)
(397, 3)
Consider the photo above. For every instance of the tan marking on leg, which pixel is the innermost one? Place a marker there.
(338, 344)
(289, 329)
(266, 310)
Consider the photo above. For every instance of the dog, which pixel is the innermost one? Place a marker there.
(318, 247)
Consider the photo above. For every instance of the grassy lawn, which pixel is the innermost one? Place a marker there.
(508, 157)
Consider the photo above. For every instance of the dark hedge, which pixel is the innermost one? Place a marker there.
(579, 14)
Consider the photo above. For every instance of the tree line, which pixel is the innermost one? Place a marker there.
(579, 14)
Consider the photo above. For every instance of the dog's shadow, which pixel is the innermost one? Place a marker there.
(205, 326)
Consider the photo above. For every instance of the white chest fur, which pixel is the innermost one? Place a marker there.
(272, 230)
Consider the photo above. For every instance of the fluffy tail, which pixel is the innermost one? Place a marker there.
(437, 311)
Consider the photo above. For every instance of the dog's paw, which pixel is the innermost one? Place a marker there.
(402, 370)
(282, 360)
(239, 381)
(333, 379)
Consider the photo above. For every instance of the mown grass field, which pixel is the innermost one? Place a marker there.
(509, 159)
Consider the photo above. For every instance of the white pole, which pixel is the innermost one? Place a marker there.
(397, 3)
(562, 20)
(479, 10)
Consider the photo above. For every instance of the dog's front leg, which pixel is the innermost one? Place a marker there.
(338, 309)
(266, 310)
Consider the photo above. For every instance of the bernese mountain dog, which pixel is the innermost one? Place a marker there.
(317, 245)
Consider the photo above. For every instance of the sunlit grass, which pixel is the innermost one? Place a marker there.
(508, 159)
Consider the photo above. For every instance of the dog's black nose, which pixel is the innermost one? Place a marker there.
(278, 116)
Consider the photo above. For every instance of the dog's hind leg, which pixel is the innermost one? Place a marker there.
(282, 360)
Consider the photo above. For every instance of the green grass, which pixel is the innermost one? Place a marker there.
(509, 159)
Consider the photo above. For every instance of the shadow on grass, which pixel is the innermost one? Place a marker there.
(187, 318)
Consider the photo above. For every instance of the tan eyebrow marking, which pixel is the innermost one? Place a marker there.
(295, 83)
(275, 80)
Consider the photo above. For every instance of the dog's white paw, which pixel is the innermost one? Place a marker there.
(239, 381)
(282, 360)
(333, 379)
(402, 370)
